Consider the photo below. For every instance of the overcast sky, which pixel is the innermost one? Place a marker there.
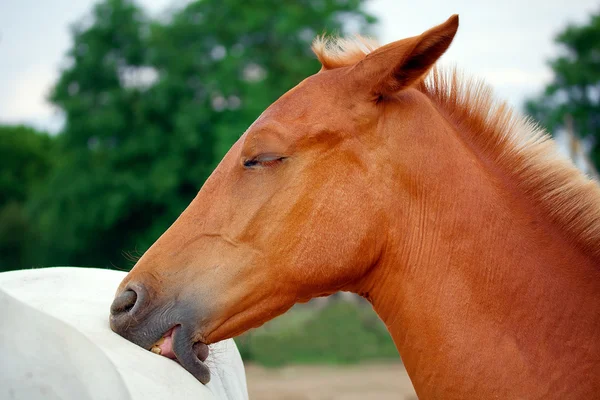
(506, 42)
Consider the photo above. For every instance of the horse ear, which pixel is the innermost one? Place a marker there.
(401, 64)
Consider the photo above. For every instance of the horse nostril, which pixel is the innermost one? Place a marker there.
(124, 302)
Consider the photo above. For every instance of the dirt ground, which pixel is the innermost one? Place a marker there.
(364, 381)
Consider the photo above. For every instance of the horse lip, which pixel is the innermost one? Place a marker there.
(158, 322)
(144, 333)
(183, 347)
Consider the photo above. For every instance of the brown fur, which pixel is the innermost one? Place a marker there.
(516, 144)
(475, 242)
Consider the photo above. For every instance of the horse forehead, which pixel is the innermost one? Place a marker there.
(313, 101)
(312, 94)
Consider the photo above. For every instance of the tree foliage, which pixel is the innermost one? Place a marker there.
(151, 106)
(27, 158)
(575, 88)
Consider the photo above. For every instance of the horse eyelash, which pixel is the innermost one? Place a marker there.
(253, 162)
(250, 163)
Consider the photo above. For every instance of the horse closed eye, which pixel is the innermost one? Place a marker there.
(263, 160)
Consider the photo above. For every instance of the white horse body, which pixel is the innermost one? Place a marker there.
(55, 343)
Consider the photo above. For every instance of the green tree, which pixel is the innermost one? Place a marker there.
(88, 208)
(27, 158)
(575, 88)
(152, 106)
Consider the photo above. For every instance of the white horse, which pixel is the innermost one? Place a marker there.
(55, 343)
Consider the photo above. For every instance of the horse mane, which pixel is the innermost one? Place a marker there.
(335, 52)
(516, 144)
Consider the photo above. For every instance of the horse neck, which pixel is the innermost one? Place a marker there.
(481, 294)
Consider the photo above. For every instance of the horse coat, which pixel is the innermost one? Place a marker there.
(56, 343)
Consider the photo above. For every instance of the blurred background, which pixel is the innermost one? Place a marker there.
(114, 112)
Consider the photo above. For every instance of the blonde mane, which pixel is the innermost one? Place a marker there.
(342, 52)
(518, 146)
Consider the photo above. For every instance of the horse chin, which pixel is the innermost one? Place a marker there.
(159, 333)
(191, 355)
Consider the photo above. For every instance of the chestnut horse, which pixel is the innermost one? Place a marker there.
(475, 242)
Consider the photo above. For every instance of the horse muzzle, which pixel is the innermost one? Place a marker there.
(161, 328)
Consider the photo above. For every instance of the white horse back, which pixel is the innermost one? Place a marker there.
(56, 343)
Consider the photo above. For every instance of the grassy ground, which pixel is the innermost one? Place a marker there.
(339, 333)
